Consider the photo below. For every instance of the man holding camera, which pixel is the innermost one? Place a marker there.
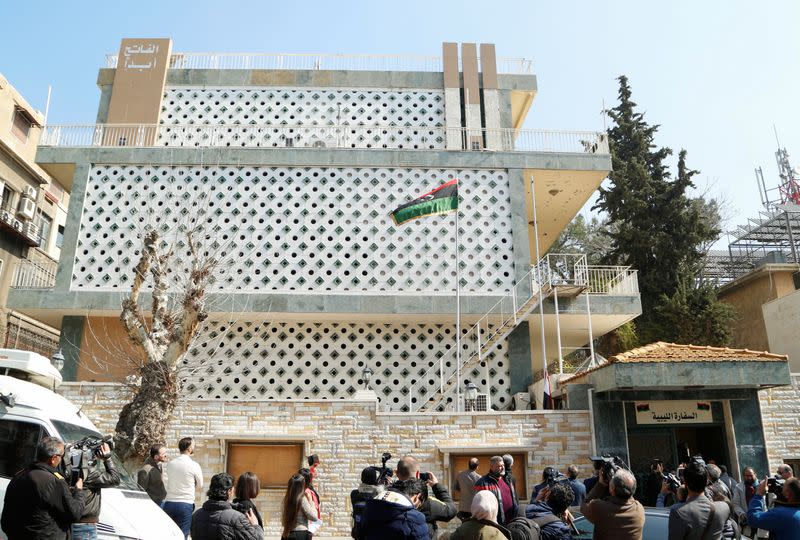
(438, 503)
(783, 521)
(610, 506)
(38, 503)
(96, 479)
(699, 518)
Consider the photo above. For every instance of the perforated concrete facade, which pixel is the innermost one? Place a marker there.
(282, 360)
(300, 229)
(413, 115)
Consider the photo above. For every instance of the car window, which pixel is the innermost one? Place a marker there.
(655, 527)
(71, 433)
(18, 442)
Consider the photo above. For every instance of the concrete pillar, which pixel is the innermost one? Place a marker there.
(751, 449)
(611, 433)
(71, 339)
(519, 358)
(519, 226)
(66, 261)
(491, 100)
(452, 97)
(472, 96)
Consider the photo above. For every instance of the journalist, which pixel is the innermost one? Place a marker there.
(698, 518)
(38, 503)
(783, 521)
(96, 479)
(610, 506)
(547, 511)
(437, 503)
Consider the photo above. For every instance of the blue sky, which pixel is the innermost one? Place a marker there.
(715, 74)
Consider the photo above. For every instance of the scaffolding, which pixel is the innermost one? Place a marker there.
(772, 237)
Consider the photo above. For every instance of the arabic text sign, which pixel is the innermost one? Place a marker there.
(673, 412)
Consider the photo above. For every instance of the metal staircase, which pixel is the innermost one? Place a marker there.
(551, 274)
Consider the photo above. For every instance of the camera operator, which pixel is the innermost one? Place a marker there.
(654, 481)
(38, 502)
(369, 488)
(610, 506)
(783, 521)
(438, 504)
(95, 480)
(698, 518)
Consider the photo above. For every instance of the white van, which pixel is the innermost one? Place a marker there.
(29, 410)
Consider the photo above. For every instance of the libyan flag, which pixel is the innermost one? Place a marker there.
(441, 200)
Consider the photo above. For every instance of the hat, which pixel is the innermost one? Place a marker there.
(370, 476)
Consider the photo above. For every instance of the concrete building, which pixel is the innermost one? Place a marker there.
(301, 158)
(33, 216)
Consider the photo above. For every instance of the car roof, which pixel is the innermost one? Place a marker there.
(38, 402)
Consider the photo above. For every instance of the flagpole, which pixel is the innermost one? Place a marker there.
(458, 313)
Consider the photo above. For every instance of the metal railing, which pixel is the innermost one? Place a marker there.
(338, 62)
(613, 280)
(320, 137)
(34, 274)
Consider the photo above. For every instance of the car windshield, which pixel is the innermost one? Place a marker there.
(70, 433)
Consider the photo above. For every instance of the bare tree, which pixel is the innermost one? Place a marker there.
(164, 336)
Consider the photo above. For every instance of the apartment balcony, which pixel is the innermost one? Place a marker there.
(25, 231)
(34, 274)
(325, 137)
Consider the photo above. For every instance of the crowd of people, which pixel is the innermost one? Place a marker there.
(704, 502)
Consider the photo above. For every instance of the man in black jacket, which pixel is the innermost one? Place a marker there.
(38, 503)
(96, 479)
(438, 505)
(217, 520)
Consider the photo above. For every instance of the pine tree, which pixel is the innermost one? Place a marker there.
(655, 226)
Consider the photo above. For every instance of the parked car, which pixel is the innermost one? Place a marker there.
(656, 524)
(30, 410)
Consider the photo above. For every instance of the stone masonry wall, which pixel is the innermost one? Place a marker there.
(350, 434)
(780, 412)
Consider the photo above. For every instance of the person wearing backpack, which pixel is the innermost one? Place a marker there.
(551, 503)
(369, 489)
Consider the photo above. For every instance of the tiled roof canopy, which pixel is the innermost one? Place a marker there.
(676, 352)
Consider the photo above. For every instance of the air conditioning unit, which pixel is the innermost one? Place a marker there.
(321, 143)
(521, 401)
(6, 216)
(17, 224)
(30, 192)
(483, 403)
(26, 208)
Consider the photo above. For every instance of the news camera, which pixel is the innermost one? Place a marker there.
(609, 465)
(81, 457)
(775, 485)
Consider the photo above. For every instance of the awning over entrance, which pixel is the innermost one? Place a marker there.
(671, 366)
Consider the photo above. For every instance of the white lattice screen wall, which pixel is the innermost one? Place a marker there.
(268, 360)
(300, 229)
(414, 114)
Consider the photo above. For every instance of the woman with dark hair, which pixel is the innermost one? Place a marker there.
(309, 476)
(298, 510)
(216, 520)
(247, 488)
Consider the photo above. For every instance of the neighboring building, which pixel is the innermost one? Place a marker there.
(767, 305)
(33, 216)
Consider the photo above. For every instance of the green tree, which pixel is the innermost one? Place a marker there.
(656, 227)
(586, 236)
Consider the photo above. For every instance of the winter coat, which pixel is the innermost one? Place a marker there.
(782, 522)
(391, 516)
(489, 483)
(613, 518)
(95, 481)
(554, 530)
(39, 505)
(439, 506)
(247, 504)
(688, 522)
(216, 520)
(151, 479)
(482, 529)
(358, 501)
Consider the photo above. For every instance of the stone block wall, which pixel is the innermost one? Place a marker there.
(780, 412)
(350, 434)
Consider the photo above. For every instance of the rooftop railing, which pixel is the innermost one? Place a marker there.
(321, 137)
(336, 62)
